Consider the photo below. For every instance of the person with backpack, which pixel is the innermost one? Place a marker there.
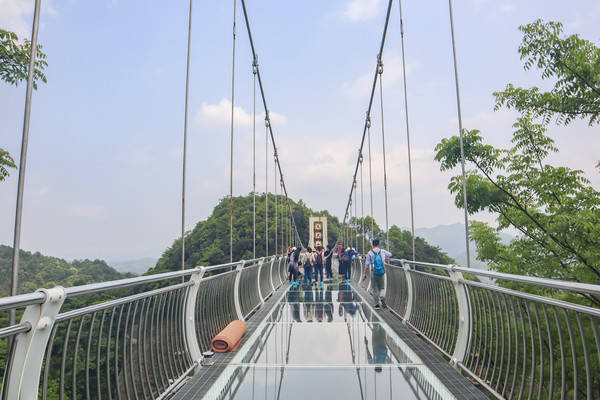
(293, 265)
(318, 268)
(308, 262)
(328, 255)
(347, 257)
(376, 263)
(341, 265)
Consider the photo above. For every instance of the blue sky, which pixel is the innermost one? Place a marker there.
(104, 164)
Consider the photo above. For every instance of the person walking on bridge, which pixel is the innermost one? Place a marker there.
(318, 257)
(328, 256)
(376, 264)
(308, 261)
(347, 257)
(293, 265)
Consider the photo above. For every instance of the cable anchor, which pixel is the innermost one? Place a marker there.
(255, 65)
(379, 64)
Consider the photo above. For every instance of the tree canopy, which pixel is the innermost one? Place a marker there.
(14, 60)
(571, 62)
(555, 208)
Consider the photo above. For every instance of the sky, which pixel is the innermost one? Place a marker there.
(103, 177)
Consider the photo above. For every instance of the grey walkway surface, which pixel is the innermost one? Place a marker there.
(455, 382)
(199, 384)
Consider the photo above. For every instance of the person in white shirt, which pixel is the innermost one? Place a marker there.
(308, 260)
(376, 264)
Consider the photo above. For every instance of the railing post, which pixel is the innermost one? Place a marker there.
(271, 274)
(262, 262)
(409, 291)
(464, 317)
(30, 347)
(236, 291)
(190, 315)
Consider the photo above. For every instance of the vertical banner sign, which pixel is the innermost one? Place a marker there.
(317, 232)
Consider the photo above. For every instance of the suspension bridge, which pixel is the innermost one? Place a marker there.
(447, 331)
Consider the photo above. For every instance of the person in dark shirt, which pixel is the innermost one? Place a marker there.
(328, 256)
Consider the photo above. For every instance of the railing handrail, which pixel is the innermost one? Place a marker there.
(22, 300)
(585, 288)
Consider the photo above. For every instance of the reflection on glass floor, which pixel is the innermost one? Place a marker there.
(320, 343)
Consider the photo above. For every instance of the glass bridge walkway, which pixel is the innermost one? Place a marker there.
(448, 333)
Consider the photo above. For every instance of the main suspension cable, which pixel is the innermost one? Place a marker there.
(367, 119)
(231, 142)
(460, 129)
(410, 180)
(269, 127)
(385, 186)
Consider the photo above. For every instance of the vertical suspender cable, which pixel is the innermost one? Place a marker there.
(254, 70)
(460, 129)
(185, 129)
(267, 185)
(231, 143)
(275, 189)
(23, 160)
(355, 217)
(370, 176)
(385, 186)
(362, 205)
(282, 229)
(410, 181)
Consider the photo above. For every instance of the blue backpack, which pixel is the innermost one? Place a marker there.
(378, 266)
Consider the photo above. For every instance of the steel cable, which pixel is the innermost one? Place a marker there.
(254, 70)
(185, 129)
(410, 181)
(460, 129)
(385, 186)
(231, 142)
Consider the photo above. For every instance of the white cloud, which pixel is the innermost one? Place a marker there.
(392, 75)
(16, 15)
(44, 190)
(361, 10)
(218, 116)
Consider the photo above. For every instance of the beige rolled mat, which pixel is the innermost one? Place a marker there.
(229, 338)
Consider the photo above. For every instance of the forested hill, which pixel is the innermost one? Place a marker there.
(37, 270)
(208, 242)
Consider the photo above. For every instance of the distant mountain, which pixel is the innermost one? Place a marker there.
(451, 239)
(138, 266)
(37, 270)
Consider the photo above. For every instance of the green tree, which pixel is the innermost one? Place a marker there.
(556, 209)
(574, 65)
(6, 161)
(14, 65)
(14, 60)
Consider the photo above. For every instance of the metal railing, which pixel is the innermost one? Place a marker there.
(515, 343)
(135, 338)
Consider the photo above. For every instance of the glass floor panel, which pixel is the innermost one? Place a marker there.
(320, 343)
(295, 383)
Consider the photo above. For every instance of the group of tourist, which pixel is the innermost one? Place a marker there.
(317, 265)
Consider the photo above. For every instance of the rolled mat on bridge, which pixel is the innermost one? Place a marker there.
(229, 338)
